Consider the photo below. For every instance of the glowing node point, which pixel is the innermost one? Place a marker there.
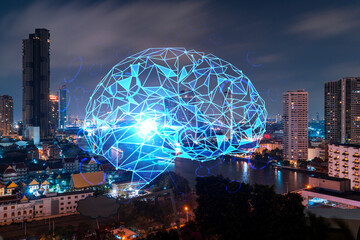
(164, 103)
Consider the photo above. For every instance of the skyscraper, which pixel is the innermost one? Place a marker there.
(53, 114)
(63, 106)
(342, 111)
(295, 123)
(6, 115)
(228, 117)
(36, 81)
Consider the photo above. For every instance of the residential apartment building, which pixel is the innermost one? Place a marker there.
(70, 165)
(342, 111)
(344, 163)
(6, 115)
(295, 124)
(53, 114)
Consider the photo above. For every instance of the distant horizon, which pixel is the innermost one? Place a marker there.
(317, 43)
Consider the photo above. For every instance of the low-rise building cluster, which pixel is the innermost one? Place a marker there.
(19, 208)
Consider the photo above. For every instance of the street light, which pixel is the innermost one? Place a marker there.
(187, 213)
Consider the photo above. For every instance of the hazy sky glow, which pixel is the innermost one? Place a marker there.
(279, 45)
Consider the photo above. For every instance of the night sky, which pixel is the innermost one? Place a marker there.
(279, 45)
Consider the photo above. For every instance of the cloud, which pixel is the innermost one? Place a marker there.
(101, 32)
(270, 58)
(327, 23)
(340, 70)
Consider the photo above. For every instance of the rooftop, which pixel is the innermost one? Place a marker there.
(345, 145)
(326, 177)
(12, 185)
(33, 182)
(91, 179)
(346, 195)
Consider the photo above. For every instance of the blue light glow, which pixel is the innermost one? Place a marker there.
(147, 126)
(164, 103)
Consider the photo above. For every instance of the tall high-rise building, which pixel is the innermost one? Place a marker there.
(53, 114)
(63, 106)
(295, 123)
(36, 81)
(6, 115)
(228, 116)
(342, 111)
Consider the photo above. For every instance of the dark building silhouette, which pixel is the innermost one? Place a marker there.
(20, 128)
(342, 111)
(63, 106)
(6, 115)
(36, 81)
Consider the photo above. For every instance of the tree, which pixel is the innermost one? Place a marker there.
(227, 210)
(319, 227)
(83, 229)
(170, 180)
(276, 154)
(163, 235)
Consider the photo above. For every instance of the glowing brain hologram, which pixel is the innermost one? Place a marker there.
(166, 103)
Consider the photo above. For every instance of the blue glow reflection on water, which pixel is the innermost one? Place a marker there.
(240, 171)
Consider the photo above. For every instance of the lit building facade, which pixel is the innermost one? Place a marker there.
(342, 111)
(36, 81)
(344, 162)
(63, 106)
(268, 145)
(6, 115)
(56, 205)
(53, 114)
(295, 124)
(316, 152)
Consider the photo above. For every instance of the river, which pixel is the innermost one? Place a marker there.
(283, 180)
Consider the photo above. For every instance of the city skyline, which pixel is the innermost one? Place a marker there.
(276, 55)
(179, 119)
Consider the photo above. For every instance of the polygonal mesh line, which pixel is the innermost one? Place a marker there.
(164, 103)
